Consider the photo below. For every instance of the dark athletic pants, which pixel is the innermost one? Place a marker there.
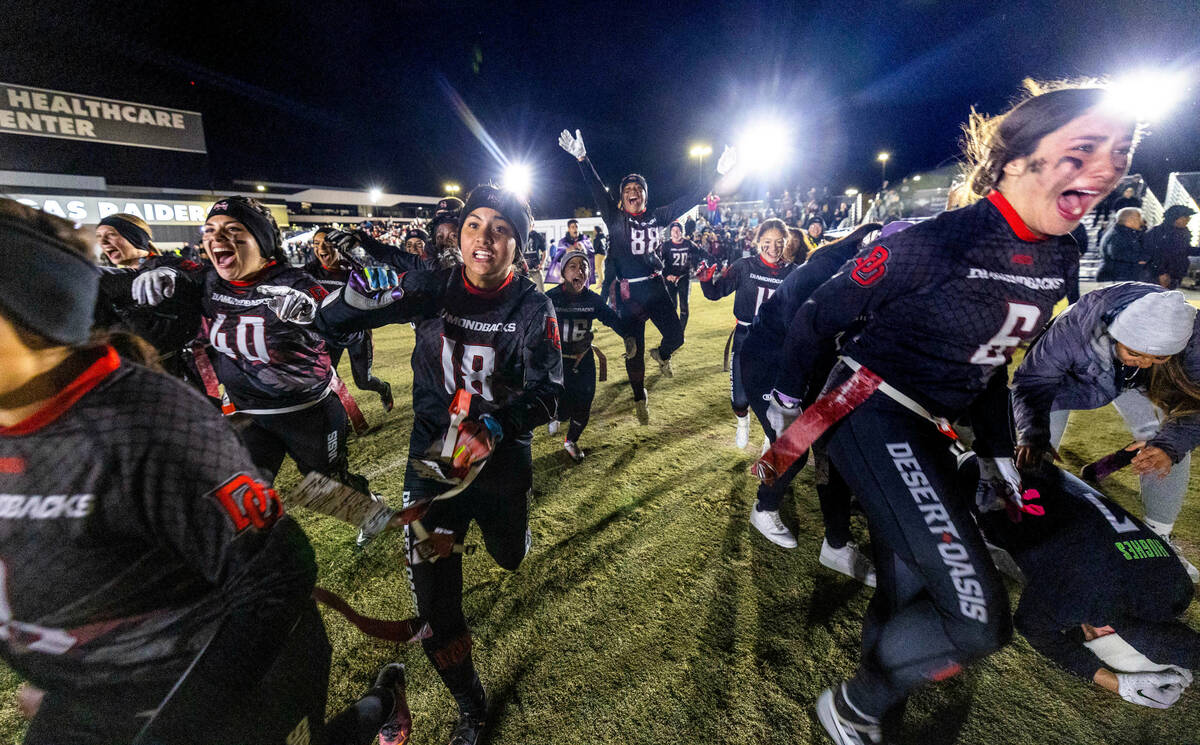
(315, 438)
(679, 292)
(579, 388)
(498, 501)
(362, 356)
(737, 388)
(940, 603)
(648, 299)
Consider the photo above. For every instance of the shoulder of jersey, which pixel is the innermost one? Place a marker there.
(152, 397)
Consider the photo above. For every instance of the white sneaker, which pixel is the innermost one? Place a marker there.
(769, 524)
(766, 446)
(1193, 573)
(849, 561)
(743, 431)
(643, 411)
(573, 450)
(553, 426)
(663, 365)
(846, 728)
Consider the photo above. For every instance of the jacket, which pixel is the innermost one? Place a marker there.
(1123, 256)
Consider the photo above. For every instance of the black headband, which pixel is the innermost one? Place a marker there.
(46, 286)
(509, 205)
(260, 226)
(130, 232)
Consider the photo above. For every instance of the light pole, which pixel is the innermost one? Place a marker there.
(700, 152)
(883, 159)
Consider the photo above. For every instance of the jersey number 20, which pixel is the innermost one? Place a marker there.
(1022, 319)
(468, 366)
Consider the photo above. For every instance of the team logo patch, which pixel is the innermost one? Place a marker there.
(249, 502)
(552, 333)
(318, 292)
(12, 465)
(870, 269)
(1022, 259)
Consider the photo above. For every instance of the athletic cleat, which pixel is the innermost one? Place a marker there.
(385, 397)
(1193, 573)
(769, 524)
(552, 427)
(398, 727)
(742, 439)
(766, 446)
(663, 365)
(643, 412)
(844, 724)
(848, 560)
(573, 450)
(469, 730)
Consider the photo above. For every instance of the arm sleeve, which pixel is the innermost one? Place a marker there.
(604, 201)
(337, 319)
(1045, 635)
(395, 257)
(537, 404)
(878, 274)
(201, 498)
(1037, 379)
(609, 317)
(669, 212)
(725, 283)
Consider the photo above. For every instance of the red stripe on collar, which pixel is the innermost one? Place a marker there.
(1013, 219)
(485, 293)
(108, 362)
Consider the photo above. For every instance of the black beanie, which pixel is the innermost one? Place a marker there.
(261, 226)
(46, 286)
(416, 233)
(138, 237)
(510, 206)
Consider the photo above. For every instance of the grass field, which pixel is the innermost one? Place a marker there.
(649, 611)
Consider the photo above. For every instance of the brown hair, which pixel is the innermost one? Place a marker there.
(1172, 391)
(43, 222)
(992, 142)
(773, 223)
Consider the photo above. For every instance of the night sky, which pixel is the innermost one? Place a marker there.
(350, 95)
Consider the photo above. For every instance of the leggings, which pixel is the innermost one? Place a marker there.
(648, 299)
(498, 501)
(579, 388)
(1162, 498)
(362, 354)
(940, 602)
(315, 438)
(679, 291)
(737, 390)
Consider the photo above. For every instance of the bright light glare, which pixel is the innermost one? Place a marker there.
(883, 157)
(1147, 94)
(375, 193)
(452, 188)
(700, 151)
(765, 146)
(260, 187)
(518, 179)
(852, 192)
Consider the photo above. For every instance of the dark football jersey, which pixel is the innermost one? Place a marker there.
(131, 521)
(945, 303)
(266, 365)
(752, 279)
(680, 259)
(502, 346)
(575, 315)
(393, 256)
(633, 249)
(332, 278)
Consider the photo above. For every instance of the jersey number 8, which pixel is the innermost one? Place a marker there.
(473, 371)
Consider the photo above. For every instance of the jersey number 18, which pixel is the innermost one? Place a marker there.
(468, 366)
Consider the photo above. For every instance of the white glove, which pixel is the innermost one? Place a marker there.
(1156, 690)
(999, 484)
(573, 145)
(727, 161)
(290, 304)
(782, 412)
(154, 286)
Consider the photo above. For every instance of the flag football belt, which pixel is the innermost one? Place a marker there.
(601, 362)
(641, 279)
(433, 546)
(942, 423)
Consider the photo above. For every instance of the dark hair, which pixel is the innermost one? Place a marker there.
(44, 222)
(992, 142)
(858, 235)
(571, 222)
(1172, 390)
(773, 223)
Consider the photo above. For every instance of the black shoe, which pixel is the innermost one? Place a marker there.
(470, 727)
(398, 727)
(386, 397)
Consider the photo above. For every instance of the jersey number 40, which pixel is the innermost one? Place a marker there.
(250, 337)
(469, 367)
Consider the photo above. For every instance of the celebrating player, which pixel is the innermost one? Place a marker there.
(125, 240)
(753, 279)
(162, 590)
(576, 307)
(633, 268)
(487, 331)
(945, 304)
(681, 257)
(1136, 346)
(257, 315)
(572, 241)
(331, 268)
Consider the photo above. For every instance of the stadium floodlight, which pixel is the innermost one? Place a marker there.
(1148, 94)
(765, 146)
(883, 157)
(375, 193)
(260, 187)
(518, 179)
(452, 188)
(852, 192)
(700, 152)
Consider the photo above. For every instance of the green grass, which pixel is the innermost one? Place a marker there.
(649, 611)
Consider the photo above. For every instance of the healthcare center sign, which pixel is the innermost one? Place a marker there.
(46, 113)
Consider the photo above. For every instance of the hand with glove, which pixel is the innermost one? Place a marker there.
(573, 145)
(782, 412)
(476, 441)
(999, 487)
(343, 240)
(1034, 456)
(290, 304)
(373, 287)
(706, 272)
(727, 161)
(1156, 690)
(154, 286)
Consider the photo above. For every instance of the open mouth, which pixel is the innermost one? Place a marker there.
(114, 255)
(1073, 204)
(222, 257)
(483, 256)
